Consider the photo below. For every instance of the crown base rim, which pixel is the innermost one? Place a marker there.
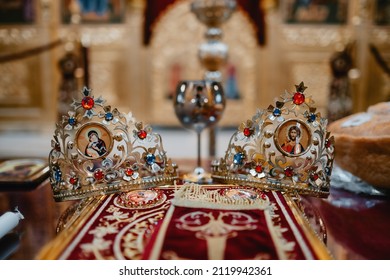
(111, 189)
(268, 185)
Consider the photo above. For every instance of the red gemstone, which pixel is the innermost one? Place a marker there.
(87, 103)
(129, 172)
(328, 144)
(298, 98)
(73, 180)
(314, 176)
(98, 174)
(142, 134)
(247, 132)
(288, 171)
(259, 168)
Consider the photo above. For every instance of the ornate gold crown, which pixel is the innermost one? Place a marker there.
(285, 147)
(97, 150)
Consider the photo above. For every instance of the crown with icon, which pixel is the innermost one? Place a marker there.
(285, 147)
(97, 150)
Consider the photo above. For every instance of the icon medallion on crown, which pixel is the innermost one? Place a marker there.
(285, 147)
(98, 150)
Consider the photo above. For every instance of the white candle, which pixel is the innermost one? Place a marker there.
(8, 221)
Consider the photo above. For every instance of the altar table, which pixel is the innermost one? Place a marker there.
(351, 226)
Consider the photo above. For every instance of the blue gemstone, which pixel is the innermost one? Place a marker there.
(72, 121)
(311, 118)
(277, 112)
(57, 175)
(150, 159)
(238, 158)
(109, 116)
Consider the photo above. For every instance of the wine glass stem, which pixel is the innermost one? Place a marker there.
(199, 159)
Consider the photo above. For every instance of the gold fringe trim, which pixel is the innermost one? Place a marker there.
(195, 196)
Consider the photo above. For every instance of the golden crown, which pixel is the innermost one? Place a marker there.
(97, 150)
(285, 147)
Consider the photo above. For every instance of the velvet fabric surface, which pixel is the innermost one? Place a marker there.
(161, 230)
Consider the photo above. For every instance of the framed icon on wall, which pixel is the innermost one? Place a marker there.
(315, 11)
(93, 11)
(17, 11)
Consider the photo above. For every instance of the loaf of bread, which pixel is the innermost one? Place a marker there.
(362, 143)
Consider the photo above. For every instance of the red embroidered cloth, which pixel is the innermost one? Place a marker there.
(161, 230)
(248, 239)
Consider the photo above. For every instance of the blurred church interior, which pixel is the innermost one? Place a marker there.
(133, 53)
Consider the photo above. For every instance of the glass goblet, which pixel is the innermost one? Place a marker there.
(199, 104)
